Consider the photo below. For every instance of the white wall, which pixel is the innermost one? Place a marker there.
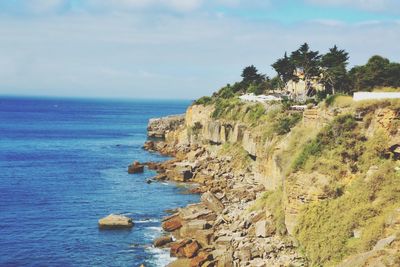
(358, 96)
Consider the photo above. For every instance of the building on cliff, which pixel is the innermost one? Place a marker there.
(300, 88)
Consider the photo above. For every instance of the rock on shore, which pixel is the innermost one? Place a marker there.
(222, 230)
(114, 221)
(158, 127)
(135, 167)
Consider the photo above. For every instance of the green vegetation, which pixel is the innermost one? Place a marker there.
(223, 108)
(336, 139)
(234, 109)
(205, 100)
(274, 203)
(359, 198)
(329, 70)
(195, 129)
(240, 158)
(378, 72)
(284, 124)
(356, 177)
(325, 229)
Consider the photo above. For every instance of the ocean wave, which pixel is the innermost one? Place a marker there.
(160, 256)
(147, 221)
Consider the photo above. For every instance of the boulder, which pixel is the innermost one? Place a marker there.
(135, 167)
(149, 145)
(191, 249)
(153, 165)
(179, 174)
(172, 224)
(114, 221)
(249, 143)
(162, 241)
(195, 211)
(381, 244)
(177, 248)
(201, 258)
(244, 254)
(204, 237)
(212, 202)
(261, 228)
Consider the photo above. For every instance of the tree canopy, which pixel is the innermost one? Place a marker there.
(250, 75)
(329, 69)
(378, 72)
(306, 61)
(334, 73)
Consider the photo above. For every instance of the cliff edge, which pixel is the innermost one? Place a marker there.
(286, 187)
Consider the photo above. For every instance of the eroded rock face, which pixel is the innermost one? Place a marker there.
(158, 127)
(220, 229)
(114, 221)
(249, 143)
(301, 189)
(222, 221)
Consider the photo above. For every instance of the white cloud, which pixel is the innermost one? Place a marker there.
(162, 56)
(129, 5)
(44, 6)
(370, 5)
(136, 48)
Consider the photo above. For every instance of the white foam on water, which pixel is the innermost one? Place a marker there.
(152, 232)
(147, 221)
(160, 256)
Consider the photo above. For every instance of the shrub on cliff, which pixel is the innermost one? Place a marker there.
(223, 107)
(254, 112)
(284, 124)
(325, 228)
(205, 100)
(367, 190)
(338, 137)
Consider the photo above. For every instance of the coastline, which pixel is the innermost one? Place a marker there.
(221, 229)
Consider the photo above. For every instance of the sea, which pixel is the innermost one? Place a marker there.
(63, 166)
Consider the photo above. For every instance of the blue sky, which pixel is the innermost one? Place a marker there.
(175, 48)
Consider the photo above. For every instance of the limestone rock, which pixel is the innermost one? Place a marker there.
(261, 228)
(149, 145)
(135, 167)
(212, 202)
(162, 241)
(381, 244)
(114, 221)
(159, 127)
(187, 248)
(191, 228)
(172, 224)
(191, 249)
(201, 258)
(249, 144)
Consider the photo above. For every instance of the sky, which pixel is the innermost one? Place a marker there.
(179, 49)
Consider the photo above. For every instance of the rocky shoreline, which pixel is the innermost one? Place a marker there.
(224, 227)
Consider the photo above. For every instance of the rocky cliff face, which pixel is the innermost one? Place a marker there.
(238, 169)
(159, 127)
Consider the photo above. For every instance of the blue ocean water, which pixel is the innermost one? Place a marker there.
(63, 165)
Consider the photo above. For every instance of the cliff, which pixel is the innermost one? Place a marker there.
(284, 187)
(158, 127)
